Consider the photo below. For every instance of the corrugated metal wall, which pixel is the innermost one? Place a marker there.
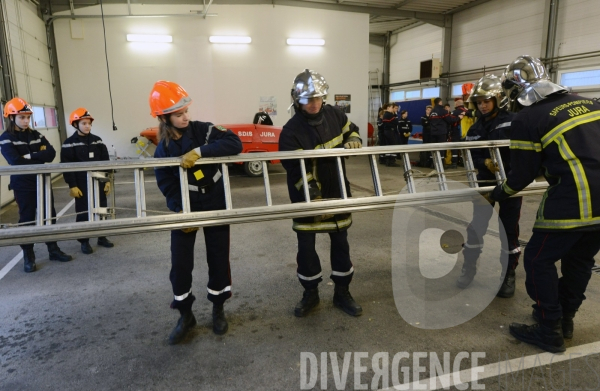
(411, 47)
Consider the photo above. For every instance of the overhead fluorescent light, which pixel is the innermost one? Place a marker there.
(305, 42)
(229, 39)
(149, 38)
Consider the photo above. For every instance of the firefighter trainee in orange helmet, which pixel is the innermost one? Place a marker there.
(179, 136)
(22, 145)
(83, 146)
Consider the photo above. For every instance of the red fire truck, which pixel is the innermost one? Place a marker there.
(255, 138)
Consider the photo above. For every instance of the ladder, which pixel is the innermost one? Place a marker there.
(103, 221)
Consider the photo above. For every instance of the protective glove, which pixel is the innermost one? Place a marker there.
(406, 134)
(188, 160)
(43, 148)
(75, 192)
(493, 167)
(313, 191)
(107, 188)
(353, 145)
(488, 198)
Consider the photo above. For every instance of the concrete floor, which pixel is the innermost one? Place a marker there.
(101, 321)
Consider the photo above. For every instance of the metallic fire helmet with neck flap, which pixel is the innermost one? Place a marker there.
(309, 84)
(488, 87)
(526, 81)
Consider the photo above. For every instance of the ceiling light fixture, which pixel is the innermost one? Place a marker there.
(229, 39)
(305, 42)
(149, 38)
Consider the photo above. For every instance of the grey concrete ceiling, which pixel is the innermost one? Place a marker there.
(385, 15)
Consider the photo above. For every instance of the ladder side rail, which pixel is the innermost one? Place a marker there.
(267, 183)
(90, 196)
(48, 198)
(39, 217)
(439, 167)
(227, 186)
(341, 178)
(408, 174)
(471, 175)
(375, 175)
(185, 190)
(304, 180)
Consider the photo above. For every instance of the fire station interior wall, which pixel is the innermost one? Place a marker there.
(495, 33)
(577, 32)
(26, 35)
(224, 81)
(376, 60)
(410, 47)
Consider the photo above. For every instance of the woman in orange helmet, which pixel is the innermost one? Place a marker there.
(21, 145)
(83, 146)
(179, 136)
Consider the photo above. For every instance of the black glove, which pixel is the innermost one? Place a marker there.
(313, 191)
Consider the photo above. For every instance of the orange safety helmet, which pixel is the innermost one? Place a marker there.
(167, 97)
(17, 106)
(78, 114)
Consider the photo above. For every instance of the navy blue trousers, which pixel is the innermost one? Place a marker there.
(576, 251)
(217, 252)
(27, 202)
(309, 265)
(81, 205)
(509, 215)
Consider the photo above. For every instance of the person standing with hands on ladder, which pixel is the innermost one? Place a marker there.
(317, 125)
(21, 145)
(179, 136)
(83, 146)
(559, 132)
(494, 123)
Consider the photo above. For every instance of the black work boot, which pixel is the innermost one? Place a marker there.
(343, 300)
(29, 261)
(310, 299)
(184, 324)
(466, 276)
(86, 248)
(56, 254)
(104, 242)
(567, 324)
(220, 325)
(508, 285)
(547, 335)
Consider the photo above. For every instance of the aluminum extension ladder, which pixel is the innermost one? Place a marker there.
(103, 221)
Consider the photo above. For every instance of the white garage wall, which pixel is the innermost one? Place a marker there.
(225, 81)
(376, 59)
(26, 34)
(496, 32)
(411, 47)
(578, 31)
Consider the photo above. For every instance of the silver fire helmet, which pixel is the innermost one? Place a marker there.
(309, 84)
(526, 81)
(488, 87)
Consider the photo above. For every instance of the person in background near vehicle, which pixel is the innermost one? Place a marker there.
(21, 145)
(262, 118)
(455, 129)
(404, 127)
(440, 121)
(425, 157)
(494, 124)
(317, 125)
(83, 146)
(390, 132)
(559, 132)
(192, 140)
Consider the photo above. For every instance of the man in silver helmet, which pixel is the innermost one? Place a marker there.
(317, 125)
(494, 123)
(559, 133)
